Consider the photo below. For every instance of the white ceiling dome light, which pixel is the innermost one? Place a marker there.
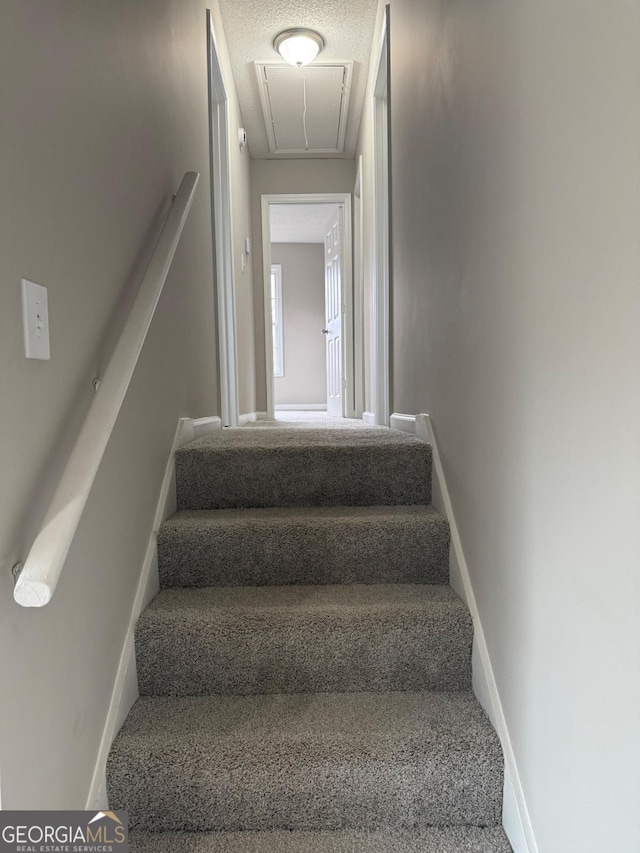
(298, 46)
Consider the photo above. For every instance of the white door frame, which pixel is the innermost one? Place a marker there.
(344, 201)
(358, 294)
(381, 204)
(222, 231)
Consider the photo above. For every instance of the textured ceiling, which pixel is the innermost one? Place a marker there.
(250, 27)
(299, 223)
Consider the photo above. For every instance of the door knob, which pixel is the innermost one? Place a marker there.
(325, 331)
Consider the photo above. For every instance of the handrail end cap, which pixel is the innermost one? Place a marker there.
(32, 593)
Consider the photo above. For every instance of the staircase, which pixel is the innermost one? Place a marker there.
(305, 671)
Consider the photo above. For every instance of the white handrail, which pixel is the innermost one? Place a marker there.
(39, 576)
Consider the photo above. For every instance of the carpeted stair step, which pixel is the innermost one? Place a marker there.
(286, 467)
(306, 762)
(301, 545)
(297, 639)
(454, 839)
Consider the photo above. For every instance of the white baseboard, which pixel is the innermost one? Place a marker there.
(515, 816)
(200, 426)
(301, 407)
(249, 417)
(406, 423)
(369, 418)
(125, 688)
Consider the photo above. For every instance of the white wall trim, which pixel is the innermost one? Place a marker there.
(515, 818)
(381, 226)
(406, 423)
(250, 417)
(222, 221)
(193, 429)
(125, 688)
(369, 418)
(301, 407)
(358, 294)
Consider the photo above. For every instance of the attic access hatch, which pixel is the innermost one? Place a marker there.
(285, 91)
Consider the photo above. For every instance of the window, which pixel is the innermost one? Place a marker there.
(276, 320)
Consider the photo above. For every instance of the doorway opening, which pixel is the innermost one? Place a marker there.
(308, 299)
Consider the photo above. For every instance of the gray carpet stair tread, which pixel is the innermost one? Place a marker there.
(456, 839)
(291, 467)
(308, 545)
(297, 639)
(330, 761)
(379, 437)
(305, 672)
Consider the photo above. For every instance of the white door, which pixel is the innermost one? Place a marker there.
(333, 316)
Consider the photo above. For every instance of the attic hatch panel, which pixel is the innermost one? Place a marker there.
(286, 86)
(326, 107)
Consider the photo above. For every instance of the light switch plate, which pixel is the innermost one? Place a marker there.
(35, 320)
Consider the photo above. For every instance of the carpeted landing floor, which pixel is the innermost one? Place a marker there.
(312, 420)
(305, 670)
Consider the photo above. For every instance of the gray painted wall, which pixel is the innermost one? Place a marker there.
(305, 370)
(108, 108)
(516, 309)
(286, 176)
